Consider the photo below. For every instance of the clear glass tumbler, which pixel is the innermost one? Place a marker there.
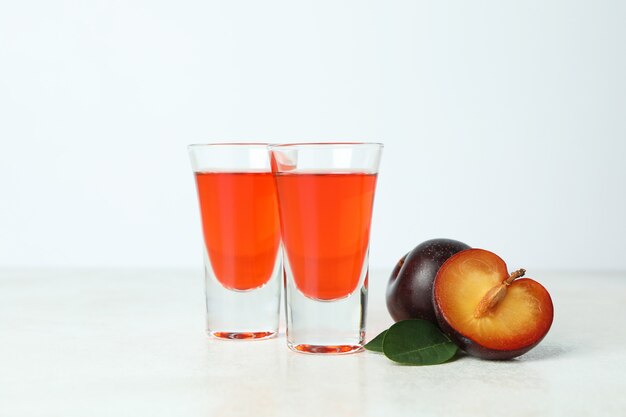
(326, 195)
(240, 224)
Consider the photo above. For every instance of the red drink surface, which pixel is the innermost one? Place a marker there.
(239, 214)
(325, 221)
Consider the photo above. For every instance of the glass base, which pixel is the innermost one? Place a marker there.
(326, 350)
(242, 315)
(333, 327)
(243, 335)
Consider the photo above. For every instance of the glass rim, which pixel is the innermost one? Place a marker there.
(228, 145)
(378, 145)
(283, 145)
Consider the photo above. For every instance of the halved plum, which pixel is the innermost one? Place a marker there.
(486, 311)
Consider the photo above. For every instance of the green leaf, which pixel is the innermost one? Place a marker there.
(376, 344)
(417, 342)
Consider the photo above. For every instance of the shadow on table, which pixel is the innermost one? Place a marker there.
(543, 352)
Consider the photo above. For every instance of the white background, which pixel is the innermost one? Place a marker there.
(504, 122)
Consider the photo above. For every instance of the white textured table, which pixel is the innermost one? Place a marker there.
(131, 343)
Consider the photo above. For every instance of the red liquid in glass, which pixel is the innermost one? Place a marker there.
(325, 220)
(240, 223)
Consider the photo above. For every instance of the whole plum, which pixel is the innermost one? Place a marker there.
(410, 287)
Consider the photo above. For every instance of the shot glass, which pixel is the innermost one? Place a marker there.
(240, 225)
(325, 196)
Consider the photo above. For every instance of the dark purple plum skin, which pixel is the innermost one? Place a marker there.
(410, 287)
(477, 350)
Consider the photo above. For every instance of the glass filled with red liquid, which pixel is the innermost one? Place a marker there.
(325, 196)
(240, 225)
